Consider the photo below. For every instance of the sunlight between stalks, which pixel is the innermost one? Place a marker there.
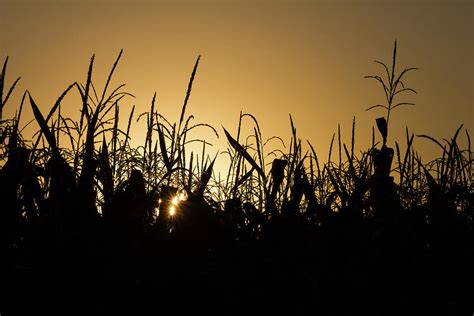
(174, 204)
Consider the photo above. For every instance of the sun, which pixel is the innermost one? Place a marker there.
(172, 205)
(172, 210)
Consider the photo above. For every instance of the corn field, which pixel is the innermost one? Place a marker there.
(97, 226)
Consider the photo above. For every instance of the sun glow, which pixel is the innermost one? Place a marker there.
(171, 204)
(175, 201)
(172, 210)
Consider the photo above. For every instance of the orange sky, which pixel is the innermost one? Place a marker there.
(269, 58)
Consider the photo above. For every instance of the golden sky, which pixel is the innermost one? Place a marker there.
(268, 58)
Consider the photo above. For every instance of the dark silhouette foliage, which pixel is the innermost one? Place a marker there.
(97, 226)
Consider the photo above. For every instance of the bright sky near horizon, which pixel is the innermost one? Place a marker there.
(270, 59)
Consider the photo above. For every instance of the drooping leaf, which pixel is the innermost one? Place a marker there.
(164, 153)
(400, 104)
(205, 177)
(278, 174)
(43, 125)
(376, 106)
(382, 126)
(241, 150)
(243, 179)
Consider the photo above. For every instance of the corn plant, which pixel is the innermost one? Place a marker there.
(392, 86)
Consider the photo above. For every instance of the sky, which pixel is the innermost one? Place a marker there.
(267, 58)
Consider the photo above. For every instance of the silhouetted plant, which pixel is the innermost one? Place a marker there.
(156, 205)
(392, 86)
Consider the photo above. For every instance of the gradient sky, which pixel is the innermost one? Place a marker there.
(268, 58)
